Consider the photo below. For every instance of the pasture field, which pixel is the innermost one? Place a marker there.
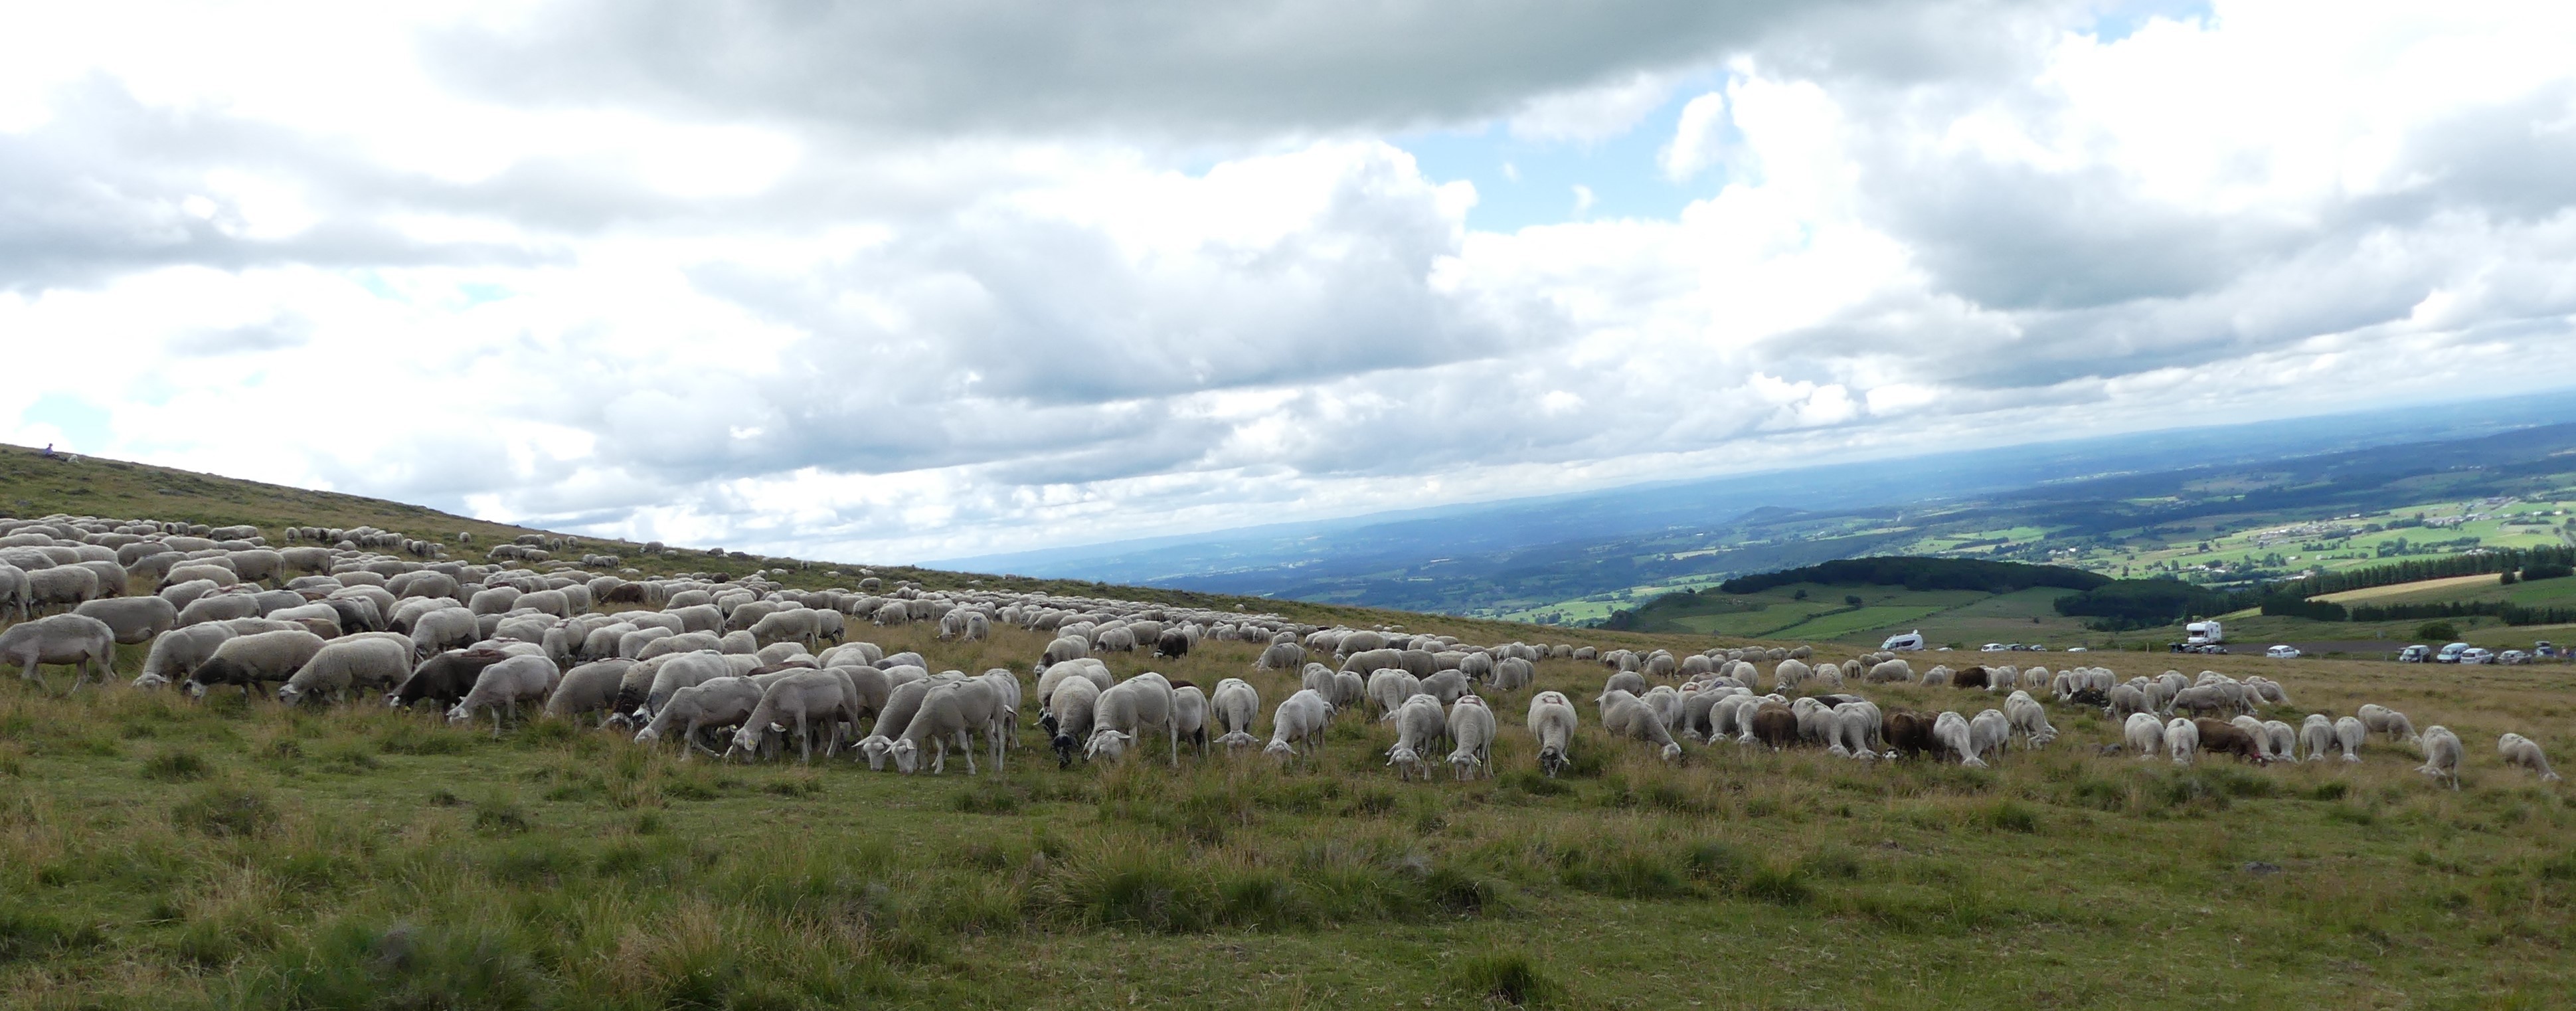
(161, 853)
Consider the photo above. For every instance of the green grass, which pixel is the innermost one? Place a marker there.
(159, 852)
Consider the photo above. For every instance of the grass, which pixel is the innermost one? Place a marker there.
(239, 857)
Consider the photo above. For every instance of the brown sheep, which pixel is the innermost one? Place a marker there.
(1973, 677)
(1909, 733)
(1776, 725)
(2220, 737)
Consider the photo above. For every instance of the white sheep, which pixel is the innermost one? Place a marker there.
(1300, 720)
(1388, 688)
(178, 651)
(945, 714)
(2441, 754)
(2182, 739)
(248, 660)
(591, 687)
(503, 685)
(1471, 725)
(1623, 714)
(1858, 731)
(366, 661)
(83, 642)
(2030, 718)
(1418, 723)
(2525, 752)
(717, 703)
(2391, 722)
(806, 698)
(1234, 706)
(1552, 720)
(2145, 734)
(1989, 732)
(133, 619)
(1190, 716)
(1126, 709)
(1067, 715)
(2316, 737)
(2349, 733)
(2280, 741)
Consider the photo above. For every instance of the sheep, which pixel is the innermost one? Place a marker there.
(715, 704)
(176, 652)
(1513, 673)
(216, 607)
(680, 672)
(1449, 685)
(250, 659)
(2030, 718)
(2208, 699)
(133, 619)
(1909, 733)
(1624, 715)
(66, 585)
(1989, 732)
(2525, 752)
(1126, 709)
(2441, 754)
(1298, 723)
(502, 685)
(2268, 690)
(591, 687)
(1388, 688)
(1789, 674)
(2182, 738)
(1624, 681)
(1890, 671)
(2349, 733)
(1418, 722)
(1552, 720)
(77, 640)
(2391, 722)
(2316, 737)
(372, 660)
(1321, 679)
(2280, 740)
(1234, 706)
(2221, 737)
(1068, 647)
(1084, 669)
(444, 678)
(805, 695)
(943, 715)
(1471, 726)
(1189, 716)
(1068, 714)
(1172, 642)
(443, 629)
(1857, 730)
(2144, 734)
(1951, 729)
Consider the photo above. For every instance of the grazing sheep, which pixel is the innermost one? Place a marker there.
(2221, 737)
(1889, 672)
(1624, 681)
(1625, 715)
(1190, 716)
(1450, 685)
(2281, 741)
(1857, 731)
(176, 652)
(1067, 716)
(1552, 720)
(1973, 677)
(2145, 734)
(2391, 722)
(1126, 709)
(1513, 673)
(2316, 737)
(679, 672)
(444, 678)
(133, 619)
(1388, 688)
(1989, 732)
(82, 642)
(370, 661)
(589, 688)
(2349, 733)
(1300, 721)
(216, 607)
(1471, 726)
(1173, 643)
(2182, 739)
(252, 659)
(1418, 723)
(443, 629)
(1789, 674)
(1951, 729)
(2525, 752)
(2267, 690)
(65, 585)
(1069, 647)
(502, 686)
(807, 697)
(2030, 718)
(1234, 706)
(2441, 754)
(716, 704)
(946, 714)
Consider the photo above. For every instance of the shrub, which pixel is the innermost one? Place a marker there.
(2437, 631)
(1509, 978)
(175, 765)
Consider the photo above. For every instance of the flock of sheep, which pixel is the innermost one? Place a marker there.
(752, 665)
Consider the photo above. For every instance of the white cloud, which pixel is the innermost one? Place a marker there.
(1696, 142)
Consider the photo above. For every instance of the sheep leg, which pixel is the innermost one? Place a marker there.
(966, 747)
(804, 744)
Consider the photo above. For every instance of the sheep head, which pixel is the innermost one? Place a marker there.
(1109, 744)
(907, 755)
(876, 747)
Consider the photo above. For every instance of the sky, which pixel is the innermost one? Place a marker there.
(903, 281)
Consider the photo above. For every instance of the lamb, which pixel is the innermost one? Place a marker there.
(591, 687)
(1624, 715)
(77, 640)
(444, 678)
(2316, 737)
(1552, 720)
(133, 619)
(2441, 754)
(2145, 734)
(2525, 752)
(1234, 706)
(503, 685)
(711, 705)
(2182, 738)
(2220, 737)
(2389, 721)
(176, 652)
(1471, 725)
(250, 659)
(1989, 732)
(1126, 709)
(1951, 729)
(806, 696)
(2349, 733)
(2030, 718)
(372, 660)
(1068, 714)
(1418, 723)
(1300, 720)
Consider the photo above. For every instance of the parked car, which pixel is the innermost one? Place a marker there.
(2513, 656)
(2544, 650)
(2283, 652)
(2451, 653)
(2415, 654)
(1993, 647)
(2475, 654)
(2078, 649)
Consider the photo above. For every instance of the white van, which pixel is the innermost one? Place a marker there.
(1903, 643)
